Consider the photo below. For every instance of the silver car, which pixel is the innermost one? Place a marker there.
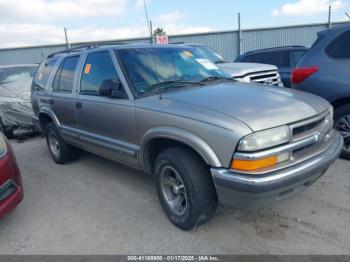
(172, 113)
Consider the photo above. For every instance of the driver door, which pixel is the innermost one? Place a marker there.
(106, 123)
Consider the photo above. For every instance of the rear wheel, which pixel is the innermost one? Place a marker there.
(185, 187)
(342, 125)
(59, 150)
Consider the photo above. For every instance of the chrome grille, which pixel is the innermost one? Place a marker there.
(265, 77)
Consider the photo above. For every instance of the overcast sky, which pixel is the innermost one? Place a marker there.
(37, 22)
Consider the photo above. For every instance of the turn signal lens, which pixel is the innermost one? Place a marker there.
(249, 165)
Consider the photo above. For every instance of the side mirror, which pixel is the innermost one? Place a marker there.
(112, 88)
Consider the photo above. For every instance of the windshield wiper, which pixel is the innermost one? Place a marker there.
(171, 84)
(216, 78)
(220, 62)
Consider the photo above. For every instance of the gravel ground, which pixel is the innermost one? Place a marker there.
(95, 206)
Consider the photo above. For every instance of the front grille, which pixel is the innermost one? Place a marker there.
(265, 77)
(317, 127)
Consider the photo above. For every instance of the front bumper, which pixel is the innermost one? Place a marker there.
(244, 191)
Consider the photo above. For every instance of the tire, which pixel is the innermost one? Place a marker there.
(342, 124)
(59, 150)
(195, 186)
(7, 132)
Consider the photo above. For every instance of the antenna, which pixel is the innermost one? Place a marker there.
(346, 13)
(147, 20)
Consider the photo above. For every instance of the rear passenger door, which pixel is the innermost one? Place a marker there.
(106, 124)
(61, 98)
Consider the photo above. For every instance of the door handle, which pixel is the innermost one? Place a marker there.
(78, 104)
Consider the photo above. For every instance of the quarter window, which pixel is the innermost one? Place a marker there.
(64, 78)
(42, 76)
(340, 47)
(98, 67)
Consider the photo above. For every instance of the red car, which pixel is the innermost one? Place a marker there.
(11, 189)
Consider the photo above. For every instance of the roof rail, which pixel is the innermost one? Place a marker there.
(85, 47)
(277, 47)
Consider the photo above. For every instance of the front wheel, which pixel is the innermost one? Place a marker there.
(185, 187)
(342, 125)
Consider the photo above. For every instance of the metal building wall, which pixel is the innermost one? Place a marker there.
(224, 43)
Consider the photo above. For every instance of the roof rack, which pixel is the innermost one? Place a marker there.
(85, 47)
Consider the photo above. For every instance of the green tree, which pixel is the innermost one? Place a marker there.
(159, 32)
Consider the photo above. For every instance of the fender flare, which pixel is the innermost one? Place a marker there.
(183, 136)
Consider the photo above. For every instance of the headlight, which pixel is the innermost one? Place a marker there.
(265, 139)
(3, 147)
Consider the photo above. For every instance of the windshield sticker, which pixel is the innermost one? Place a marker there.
(207, 64)
(187, 53)
(87, 69)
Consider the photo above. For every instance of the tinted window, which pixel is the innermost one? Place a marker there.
(97, 68)
(44, 71)
(276, 58)
(340, 47)
(295, 57)
(64, 78)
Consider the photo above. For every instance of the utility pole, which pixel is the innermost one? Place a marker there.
(239, 35)
(329, 16)
(151, 31)
(65, 34)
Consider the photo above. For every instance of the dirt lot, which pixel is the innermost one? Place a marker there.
(95, 206)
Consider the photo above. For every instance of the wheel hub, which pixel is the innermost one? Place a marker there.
(173, 190)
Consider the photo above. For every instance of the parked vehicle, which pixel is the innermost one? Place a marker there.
(243, 72)
(174, 114)
(324, 71)
(15, 105)
(11, 189)
(285, 58)
(10, 73)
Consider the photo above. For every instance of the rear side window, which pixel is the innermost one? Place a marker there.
(64, 78)
(339, 48)
(42, 76)
(97, 68)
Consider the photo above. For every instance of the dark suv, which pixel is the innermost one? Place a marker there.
(325, 71)
(285, 58)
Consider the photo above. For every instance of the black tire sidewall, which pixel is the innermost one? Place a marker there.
(339, 113)
(177, 220)
(52, 128)
(200, 191)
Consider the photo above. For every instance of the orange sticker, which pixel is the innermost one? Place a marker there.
(87, 69)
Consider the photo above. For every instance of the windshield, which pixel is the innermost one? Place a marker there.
(209, 54)
(149, 68)
(11, 74)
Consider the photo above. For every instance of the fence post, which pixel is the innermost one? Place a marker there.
(239, 35)
(329, 16)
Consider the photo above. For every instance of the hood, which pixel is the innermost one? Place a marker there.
(19, 89)
(242, 69)
(256, 106)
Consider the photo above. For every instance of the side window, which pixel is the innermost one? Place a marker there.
(295, 57)
(64, 78)
(98, 67)
(42, 76)
(276, 58)
(340, 47)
